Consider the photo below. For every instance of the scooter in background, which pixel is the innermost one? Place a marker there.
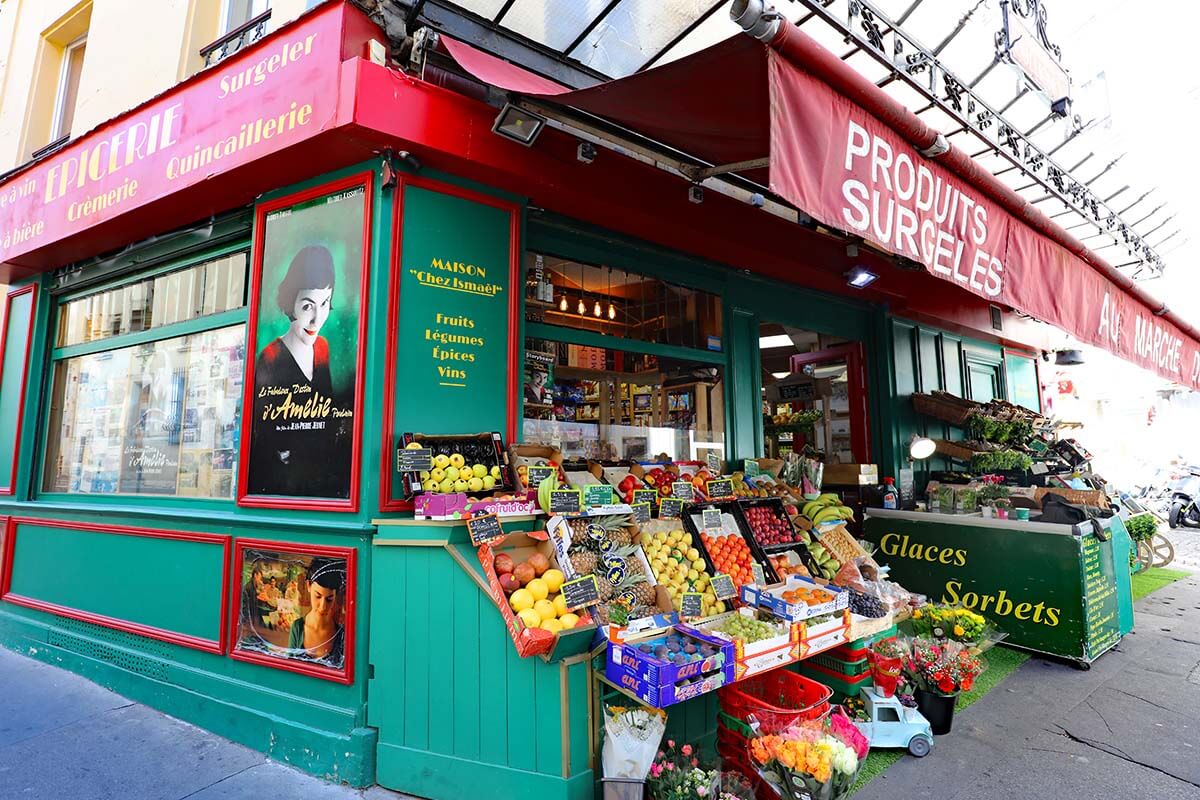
(1184, 496)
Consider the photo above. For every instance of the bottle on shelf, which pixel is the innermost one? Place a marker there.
(888, 494)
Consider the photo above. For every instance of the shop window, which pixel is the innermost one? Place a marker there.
(605, 404)
(141, 405)
(616, 302)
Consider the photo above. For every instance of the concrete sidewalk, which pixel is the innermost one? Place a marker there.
(62, 737)
(1129, 727)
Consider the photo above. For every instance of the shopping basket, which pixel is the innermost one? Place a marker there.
(777, 699)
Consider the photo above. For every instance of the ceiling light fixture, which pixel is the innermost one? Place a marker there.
(780, 340)
(861, 277)
(519, 125)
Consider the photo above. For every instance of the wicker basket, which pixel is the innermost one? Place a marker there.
(1083, 497)
(944, 406)
(956, 450)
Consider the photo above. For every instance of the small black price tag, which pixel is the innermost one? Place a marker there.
(484, 528)
(714, 462)
(760, 577)
(645, 496)
(414, 460)
(566, 501)
(722, 586)
(684, 490)
(538, 474)
(641, 513)
(598, 494)
(711, 518)
(692, 605)
(671, 508)
(720, 488)
(581, 592)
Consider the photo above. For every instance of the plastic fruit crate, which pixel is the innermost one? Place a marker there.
(850, 669)
(865, 642)
(840, 685)
(777, 699)
(733, 748)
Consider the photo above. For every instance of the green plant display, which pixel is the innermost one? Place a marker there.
(993, 492)
(1000, 460)
(1142, 527)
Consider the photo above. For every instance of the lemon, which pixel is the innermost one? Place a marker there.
(489, 483)
(553, 579)
(568, 620)
(530, 618)
(552, 625)
(545, 610)
(560, 605)
(538, 588)
(521, 600)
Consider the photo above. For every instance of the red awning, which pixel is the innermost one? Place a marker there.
(845, 153)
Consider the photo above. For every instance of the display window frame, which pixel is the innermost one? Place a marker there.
(345, 675)
(31, 289)
(860, 407)
(366, 181)
(57, 355)
(388, 477)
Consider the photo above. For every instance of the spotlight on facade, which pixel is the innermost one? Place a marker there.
(921, 448)
(1068, 358)
(586, 152)
(518, 124)
(861, 277)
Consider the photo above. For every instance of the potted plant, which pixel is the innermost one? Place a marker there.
(990, 494)
(1002, 508)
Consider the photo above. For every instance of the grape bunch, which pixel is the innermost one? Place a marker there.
(866, 605)
(740, 626)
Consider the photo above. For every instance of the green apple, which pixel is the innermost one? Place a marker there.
(457, 460)
(437, 475)
(441, 460)
(452, 473)
(446, 486)
(476, 484)
(480, 470)
(488, 482)
(460, 485)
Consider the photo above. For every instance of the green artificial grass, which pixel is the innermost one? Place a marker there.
(1153, 579)
(1002, 662)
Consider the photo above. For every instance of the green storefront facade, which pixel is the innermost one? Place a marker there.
(140, 591)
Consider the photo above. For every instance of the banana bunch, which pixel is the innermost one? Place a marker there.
(543, 492)
(826, 562)
(827, 508)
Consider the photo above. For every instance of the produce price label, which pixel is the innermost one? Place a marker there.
(484, 528)
(641, 512)
(581, 592)
(599, 495)
(714, 462)
(415, 460)
(671, 508)
(720, 488)
(539, 474)
(683, 490)
(566, 501)
(722, 586)
(692, 605)
(645, 496)
(711, 518)
(751, 468)
(760, 577)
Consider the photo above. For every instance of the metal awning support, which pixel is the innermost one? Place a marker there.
(699, 174)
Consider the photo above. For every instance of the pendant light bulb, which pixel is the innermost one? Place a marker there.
(562, 304)
(582, 308)
(598, 311)
(612, 310)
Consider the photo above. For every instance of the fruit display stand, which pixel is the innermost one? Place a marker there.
(1063, 590)
(734, 533)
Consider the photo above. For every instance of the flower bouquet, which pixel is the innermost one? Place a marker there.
(886, 658)
(813, 760)
(940, 670)
(954, 623)
(631, 738)
(676, 774)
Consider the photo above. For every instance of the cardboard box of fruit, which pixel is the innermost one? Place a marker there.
(667, 667)
(678, 564)
(461, 463)
(797, 598)
(522, 456)
(817, 636)
(761, 641)
(524, 577)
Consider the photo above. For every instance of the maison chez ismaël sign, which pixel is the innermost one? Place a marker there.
(268, 97)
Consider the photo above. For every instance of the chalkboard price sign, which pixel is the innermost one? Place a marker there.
(720, 488)
(641, 513)
(484, 528)
(415, 460)
(760, 577)
(722, 586)
(684, 490)
(539, 474)
(566, 501)
(797, 391)
(581, 592)
(645, 496)
(711, 518)
(692, 605)
(671, 508)
(599, 494)
(714, 462)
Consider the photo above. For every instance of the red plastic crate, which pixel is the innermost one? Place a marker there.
(777, 699)
(733, 748)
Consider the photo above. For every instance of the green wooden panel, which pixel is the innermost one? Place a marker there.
(547, 741)
(12, 380)
(929, 361)
(521, 699)
(1021, 373)
(493, 717)
(743, 438)
(170, 584)
(577, 676)
(466, 627)
(418, 688)
(389, 624)
(440, 777)
(442, 606)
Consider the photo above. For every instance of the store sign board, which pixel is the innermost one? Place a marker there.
(723, 586)
(852, 172)
(692, 605)
(539, 474)
(684, 490)
(1029, 584)
(566, 501)
(720, 489)
(272, 95)
(581, 592)
(641, 512)
(711, 519)
(452, 335)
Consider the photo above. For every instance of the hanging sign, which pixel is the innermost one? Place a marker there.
(484, 528)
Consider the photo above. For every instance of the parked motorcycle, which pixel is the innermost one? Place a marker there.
(1184, 498)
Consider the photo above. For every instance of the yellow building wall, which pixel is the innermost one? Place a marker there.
(136, 49)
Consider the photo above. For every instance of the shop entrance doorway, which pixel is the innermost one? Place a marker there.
(814, 394)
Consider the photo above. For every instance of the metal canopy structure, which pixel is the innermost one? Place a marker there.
(948, 61)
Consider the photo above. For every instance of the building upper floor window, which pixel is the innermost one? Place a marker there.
(67, 95)
(236, 13)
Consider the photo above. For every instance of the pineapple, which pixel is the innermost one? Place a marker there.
(583, 560)
(618, 527)
(643, 592)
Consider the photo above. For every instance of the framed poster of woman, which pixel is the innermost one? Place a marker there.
(302, 409)
(294, 607)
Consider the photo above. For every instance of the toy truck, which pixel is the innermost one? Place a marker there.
(892, 724)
